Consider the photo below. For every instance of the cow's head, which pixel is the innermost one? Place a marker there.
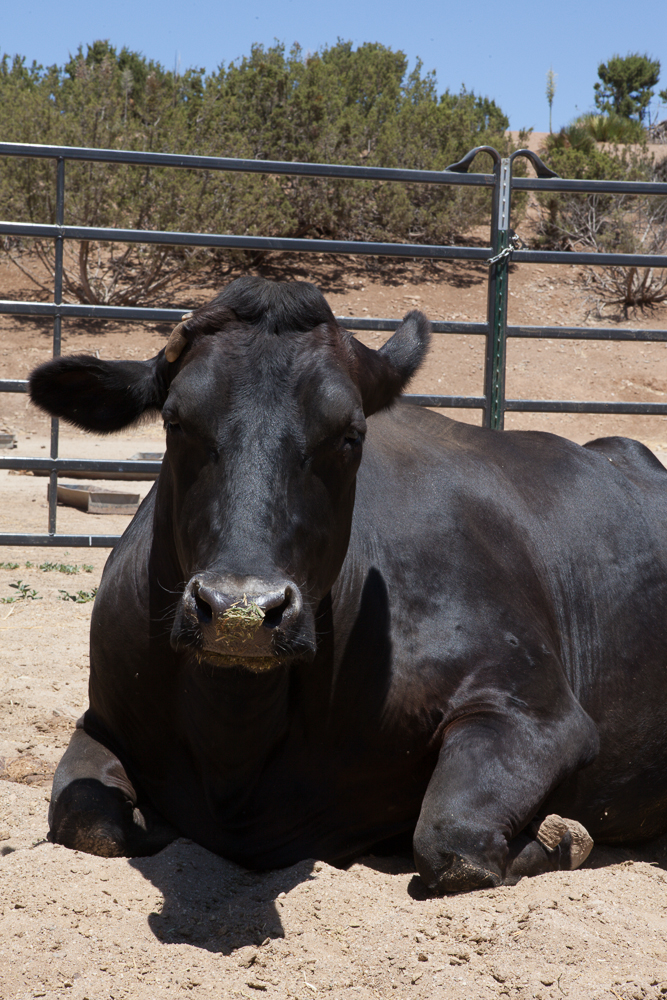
(264, 399)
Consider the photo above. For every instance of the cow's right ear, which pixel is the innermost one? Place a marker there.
(96, 395)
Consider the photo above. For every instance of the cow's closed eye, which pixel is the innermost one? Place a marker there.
(352, 438)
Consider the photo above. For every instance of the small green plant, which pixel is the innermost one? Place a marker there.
(9, 565)
(52, 567)
(81, 596)
(49, 567)
(24, 593)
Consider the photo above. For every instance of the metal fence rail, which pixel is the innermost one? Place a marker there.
(492, 403)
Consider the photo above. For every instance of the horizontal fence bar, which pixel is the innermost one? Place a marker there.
(292, 168)
(577, 406)
(78, 310)
(74, 310)
(461, 402)
(276, 243)
(340, 170)
(577, 184)
(539, 405)
(437, 326)
(581, 257)
(13, 385)
(586, 333)
(61, 541)
(286, 244)
(60, 465)
(95, 465)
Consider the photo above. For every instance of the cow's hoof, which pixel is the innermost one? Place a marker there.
(568, 834)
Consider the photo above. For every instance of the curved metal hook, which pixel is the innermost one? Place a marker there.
(461, 166)
(541, 169)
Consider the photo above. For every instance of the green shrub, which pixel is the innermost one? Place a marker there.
(338, 105)
(614, 128)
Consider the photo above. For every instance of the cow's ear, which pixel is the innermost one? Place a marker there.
(96, 395)
(383, 374)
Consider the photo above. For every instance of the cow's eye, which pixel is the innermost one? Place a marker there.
(352, 436)
(172, 427)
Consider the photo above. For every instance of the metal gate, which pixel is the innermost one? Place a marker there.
(493, 403)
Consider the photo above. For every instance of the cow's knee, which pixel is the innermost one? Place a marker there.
(93, 817)
(95, 807)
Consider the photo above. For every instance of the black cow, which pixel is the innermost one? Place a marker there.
(297, 652)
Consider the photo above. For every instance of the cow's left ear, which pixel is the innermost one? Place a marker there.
(97, 395)
(381, 375)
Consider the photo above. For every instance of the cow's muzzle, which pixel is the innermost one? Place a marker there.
(243, 621)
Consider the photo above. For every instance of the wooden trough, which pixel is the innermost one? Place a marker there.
(96, 499)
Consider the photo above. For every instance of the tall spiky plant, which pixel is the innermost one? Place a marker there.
(551, 92)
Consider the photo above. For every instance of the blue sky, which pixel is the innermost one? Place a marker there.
(499, 50)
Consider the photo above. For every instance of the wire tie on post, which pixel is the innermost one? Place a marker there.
(515, 243)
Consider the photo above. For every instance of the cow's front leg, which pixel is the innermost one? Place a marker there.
(478, 825)
(95, 807)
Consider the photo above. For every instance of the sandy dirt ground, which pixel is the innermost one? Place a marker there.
(186, 922)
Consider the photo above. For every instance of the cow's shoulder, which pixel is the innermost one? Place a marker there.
(418, 448)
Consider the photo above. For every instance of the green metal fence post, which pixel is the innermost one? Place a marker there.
(57, 329)
(494, 368)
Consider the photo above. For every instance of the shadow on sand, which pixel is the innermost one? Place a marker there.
(212, 903)
(654, 852)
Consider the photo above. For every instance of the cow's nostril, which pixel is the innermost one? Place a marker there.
(274, 616)
(204, 610)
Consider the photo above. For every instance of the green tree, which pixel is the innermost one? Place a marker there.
(625, 85)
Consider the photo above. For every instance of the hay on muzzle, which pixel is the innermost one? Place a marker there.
(240, 621)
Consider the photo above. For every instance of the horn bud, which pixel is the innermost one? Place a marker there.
(177, 339)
